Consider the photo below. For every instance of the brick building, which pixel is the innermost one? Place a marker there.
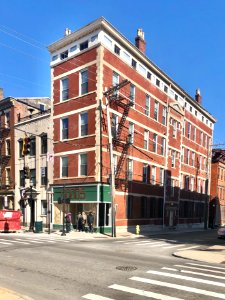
(111, 101)
(217, 195)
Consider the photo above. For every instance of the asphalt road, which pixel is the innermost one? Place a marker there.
(55, 267)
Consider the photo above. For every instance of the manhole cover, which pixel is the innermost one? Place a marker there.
(126, 268)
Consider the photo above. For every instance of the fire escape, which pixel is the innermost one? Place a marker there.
(117, 100)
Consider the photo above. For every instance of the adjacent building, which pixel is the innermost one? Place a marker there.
(112, 103)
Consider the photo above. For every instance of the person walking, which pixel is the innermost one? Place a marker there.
(90, 221)
(79, 221)
(68, 218)
(84, 220)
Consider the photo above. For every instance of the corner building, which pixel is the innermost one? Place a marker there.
(107, 92)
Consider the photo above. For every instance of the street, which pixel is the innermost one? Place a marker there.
(54, 267)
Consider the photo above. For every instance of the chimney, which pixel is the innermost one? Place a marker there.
(198, 97)
(1, 93)
(67, 32)
(140, 40)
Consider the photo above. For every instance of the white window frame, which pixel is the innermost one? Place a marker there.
(147, 105)
(7, 176)
(164, 115)
(63, 90)
(153, 177)
(80, 119)
(174, 128)
(189, 130)
(156, 110)
(116, 127)
(154, 142)
(129, 169)
(163, 146)
(161, 174)
(79, 168)
(146, 139)
(133, 93)
(61, 167)
(114, 163)
(81, 82)
(61, 129)
(131, 132)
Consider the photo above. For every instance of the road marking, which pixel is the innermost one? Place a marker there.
(200, 269)
(5, 243)
(220, 284)
(142, 292)
(179, 287)
(30, 241)
(95, 297)
(194, 264)
(202, 274)
(12, 241)
(161, 244)
(174, 246)
(192, 247)
(169, 269)
(137, 242)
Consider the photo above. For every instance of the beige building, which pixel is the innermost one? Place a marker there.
(33, 171)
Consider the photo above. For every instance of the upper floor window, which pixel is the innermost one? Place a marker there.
(174, 128)
(201, 138)
(115, 163)
(114, 125)
(117, 49)
(64, 166)
(157, 82)
(194, 134)
(33, 176)
(32, 146)
(64, 89)
(132, 93)
(146, 139)
(44, 175)
(84, 81)
(153, 175)
(154, 144)
(83, 164)
(147, 105)
(130, 169)
(164, 116)
(165, 89)
(134, 63)
(131, 132)
(8, 148)
(189, 130)
(83, 124)
(7, 119)
(64, 129)
(149, 75)
(163, 144)
(8, 176)
(156, 110)
(83, 45)
(146, 174)
(161, 177)
(115, 81)
(64, 54)
(186, 183)
(44, 144)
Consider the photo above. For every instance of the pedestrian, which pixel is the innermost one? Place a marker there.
(84, 220)
(79, 221)
(90, 221)
(68, 222)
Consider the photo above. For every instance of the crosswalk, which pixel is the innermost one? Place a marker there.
(35, 240)
(179, 282)
(159, 244)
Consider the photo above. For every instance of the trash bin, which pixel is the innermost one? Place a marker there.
(38, 226)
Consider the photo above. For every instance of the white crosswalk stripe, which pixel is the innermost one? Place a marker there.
(95, 297)
(201, 269)
(12, 241)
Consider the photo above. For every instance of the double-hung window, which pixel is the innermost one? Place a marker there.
(44, 207)
(64, 89)
(114, 125)
(154, 143)
(132, 93)
(189, 130)
(147, 105)
(115, 81)
(174, 128)
(163, 145)
(156, 110)
(7, 119)
(44, 175)
(146, 139)
(153, 175)
(130, 169)
(44, 144)
(64, 129)
(84, 81)
(8, 148)
(131, 133)
(83, 164)
(64, 166)
(146, 174)
(161, 174)
(32, 146)
(83, 124)
(164, 116)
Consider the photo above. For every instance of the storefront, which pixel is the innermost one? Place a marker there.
(83, 198)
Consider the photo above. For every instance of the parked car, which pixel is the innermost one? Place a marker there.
(221, 232)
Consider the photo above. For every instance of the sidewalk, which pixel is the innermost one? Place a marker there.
(6, 294)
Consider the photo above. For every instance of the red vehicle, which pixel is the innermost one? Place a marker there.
(10, 220)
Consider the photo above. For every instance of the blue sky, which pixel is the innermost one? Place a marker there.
(185, 38)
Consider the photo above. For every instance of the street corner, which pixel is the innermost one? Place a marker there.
(6, 294)
(209, 255)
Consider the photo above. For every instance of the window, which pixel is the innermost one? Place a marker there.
(184, 128)
(54, 57)
(83, 164)
(201, 138)
(117, 49)
(133, 63)
(8, 150)
(64, 129)
(64, 166)
(164, 116)
(32, 146)
(187, 157)
(193, 159)
(173, 159)
(83, 45)
(194, 134)
(64, 54)
(147, 105)
(190, 108)
(84, 82)
(44, 207)
(83, 124)
(129, 169)
(154, 143)
(163, 143)
(165, 89)
(42, 107)
(33, 176)
(146, 138)
(146, 171)
(189, 130)
(64, 89)
(174, 128)
(186, 183)
(8, 177)
(73, 48)
(132, 93)
(7, 119)
(161, 174)
(192, 184)
(131, 133)
(182, 154)
(20, 148)
(114, 125)
(149, 75)
(153, 175)
(115, 81)
(176, 97)
(44, 175)
(44, 144)
(94, 38)
(156, 110)
(157, 82)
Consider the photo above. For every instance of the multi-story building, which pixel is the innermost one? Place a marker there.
(112, 103)
(217, 195)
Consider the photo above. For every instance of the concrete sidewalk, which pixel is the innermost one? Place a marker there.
(6, 294)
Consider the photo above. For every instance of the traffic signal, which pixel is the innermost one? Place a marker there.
(26, 172)
(26, 146)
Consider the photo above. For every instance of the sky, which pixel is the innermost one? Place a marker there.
(185, 39)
